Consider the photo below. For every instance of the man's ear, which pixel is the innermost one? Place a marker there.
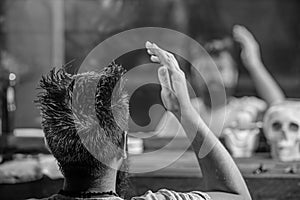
(125, 146)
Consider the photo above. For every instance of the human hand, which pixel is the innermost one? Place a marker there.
(174, 92)
(250, 48)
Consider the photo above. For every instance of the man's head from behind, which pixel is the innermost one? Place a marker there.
(84, 118)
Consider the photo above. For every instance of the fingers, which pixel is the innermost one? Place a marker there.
(241, 34)
(167, 57)
(162, 56)
(238, 33)
(238, 28)
(241, 29)
(149, 47)
(153, 49)
(155, 59)
(173, 83)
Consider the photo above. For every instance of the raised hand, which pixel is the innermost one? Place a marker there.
(174, 91)
(214, 157)
(250, 48)
(265, 84)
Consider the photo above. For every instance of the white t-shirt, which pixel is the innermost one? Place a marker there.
(162, 194)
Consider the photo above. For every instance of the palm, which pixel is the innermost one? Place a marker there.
(174, 92)
(170, 101)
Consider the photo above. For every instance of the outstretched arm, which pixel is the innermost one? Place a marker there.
(220, 173)
(267, 87)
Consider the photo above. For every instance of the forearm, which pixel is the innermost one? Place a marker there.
(220, 173)
(219, 170)
(265, 84)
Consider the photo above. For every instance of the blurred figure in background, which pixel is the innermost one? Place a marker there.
(265, 85)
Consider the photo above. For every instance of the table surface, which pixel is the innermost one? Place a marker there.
(184, 164)
(163, 164)
(177, 160)
(176, 170)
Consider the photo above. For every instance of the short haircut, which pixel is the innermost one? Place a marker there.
(84, 117)
(217, 47)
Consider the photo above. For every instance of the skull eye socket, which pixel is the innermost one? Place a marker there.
(293, 127)
(276, 126)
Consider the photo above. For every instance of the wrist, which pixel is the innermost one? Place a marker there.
(254, 63)
(190, 114)
(187, 108)
(184, 111)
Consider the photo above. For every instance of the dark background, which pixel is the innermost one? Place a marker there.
(28, 37)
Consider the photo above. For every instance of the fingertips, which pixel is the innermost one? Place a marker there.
(149, 48)
(148, 45)
(158, 49)
(152, 48)
(236, 27)
(238, 31)
(155, 45)
(154, 59)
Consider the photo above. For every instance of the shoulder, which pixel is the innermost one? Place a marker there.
(62, 197)
(54, 197)
(165, 194)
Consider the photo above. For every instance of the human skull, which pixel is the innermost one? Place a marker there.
(241, 137)
(282, 130)
(241, 142)
(242, 131)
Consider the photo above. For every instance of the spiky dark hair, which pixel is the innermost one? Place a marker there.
(84, 116)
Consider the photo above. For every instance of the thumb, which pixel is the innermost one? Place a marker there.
(180, 90)
(164, 78)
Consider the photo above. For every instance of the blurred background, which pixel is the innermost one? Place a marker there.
(36, 35)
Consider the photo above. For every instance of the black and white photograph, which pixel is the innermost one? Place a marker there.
(150, 99)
